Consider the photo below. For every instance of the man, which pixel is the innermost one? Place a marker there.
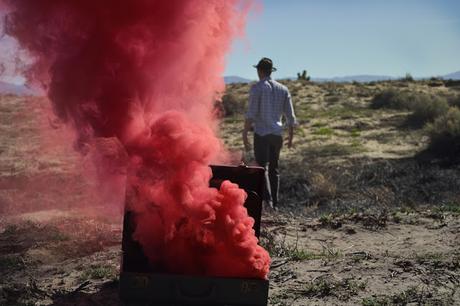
(269, 101)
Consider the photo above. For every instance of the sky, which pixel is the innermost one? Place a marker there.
(331, 38)
(350, 37)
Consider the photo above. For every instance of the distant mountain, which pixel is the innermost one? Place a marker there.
(453, 76)
(235, 79)
(20, 90)
(358, 78)
(364, 78)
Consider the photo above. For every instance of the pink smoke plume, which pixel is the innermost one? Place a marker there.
(147, 72)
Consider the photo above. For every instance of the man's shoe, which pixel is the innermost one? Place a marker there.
(270, 204)
(267, 205)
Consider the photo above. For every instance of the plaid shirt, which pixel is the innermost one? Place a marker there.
(268, 102)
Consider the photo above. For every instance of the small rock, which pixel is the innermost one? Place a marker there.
(349, 230)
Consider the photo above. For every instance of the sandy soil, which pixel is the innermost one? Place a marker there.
(58, 258)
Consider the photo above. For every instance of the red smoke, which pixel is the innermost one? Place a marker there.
(147, 72)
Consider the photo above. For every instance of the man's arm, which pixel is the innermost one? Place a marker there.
(291, 120)
(246, 129)
(290, 136)
(250, 116)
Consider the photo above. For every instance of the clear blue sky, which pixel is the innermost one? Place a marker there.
(348, 37)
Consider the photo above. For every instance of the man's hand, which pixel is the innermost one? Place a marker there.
(290, 137)
(247, 145)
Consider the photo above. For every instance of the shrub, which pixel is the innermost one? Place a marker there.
(322, 188)
(392, 98)
(444, 133)
(454, 101)
(434, 82)
(408, 78)
(232, 105)
(451, 83)
(332, 99)
(426, 109)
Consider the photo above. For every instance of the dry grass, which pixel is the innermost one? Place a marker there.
(359, 222)
(445, 134)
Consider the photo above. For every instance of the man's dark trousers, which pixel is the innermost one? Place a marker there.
(267, 153)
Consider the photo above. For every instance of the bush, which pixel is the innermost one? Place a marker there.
(444, 133)
(232, 105)
(435, 82)
(452, 83)
(426, 109)
(454, 101)
(392, 98)
(408, 78)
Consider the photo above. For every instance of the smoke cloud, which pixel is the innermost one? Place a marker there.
(147, 72)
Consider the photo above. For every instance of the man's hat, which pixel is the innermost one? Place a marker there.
(265, 64)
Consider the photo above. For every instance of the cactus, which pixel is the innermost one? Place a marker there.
(303, 76)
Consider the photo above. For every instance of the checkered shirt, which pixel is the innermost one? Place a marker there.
(268, 102)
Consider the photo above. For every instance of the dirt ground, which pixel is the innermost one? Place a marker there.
(56, 258)
(362, 222)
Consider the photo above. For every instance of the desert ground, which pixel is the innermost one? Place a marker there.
(366, 217)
